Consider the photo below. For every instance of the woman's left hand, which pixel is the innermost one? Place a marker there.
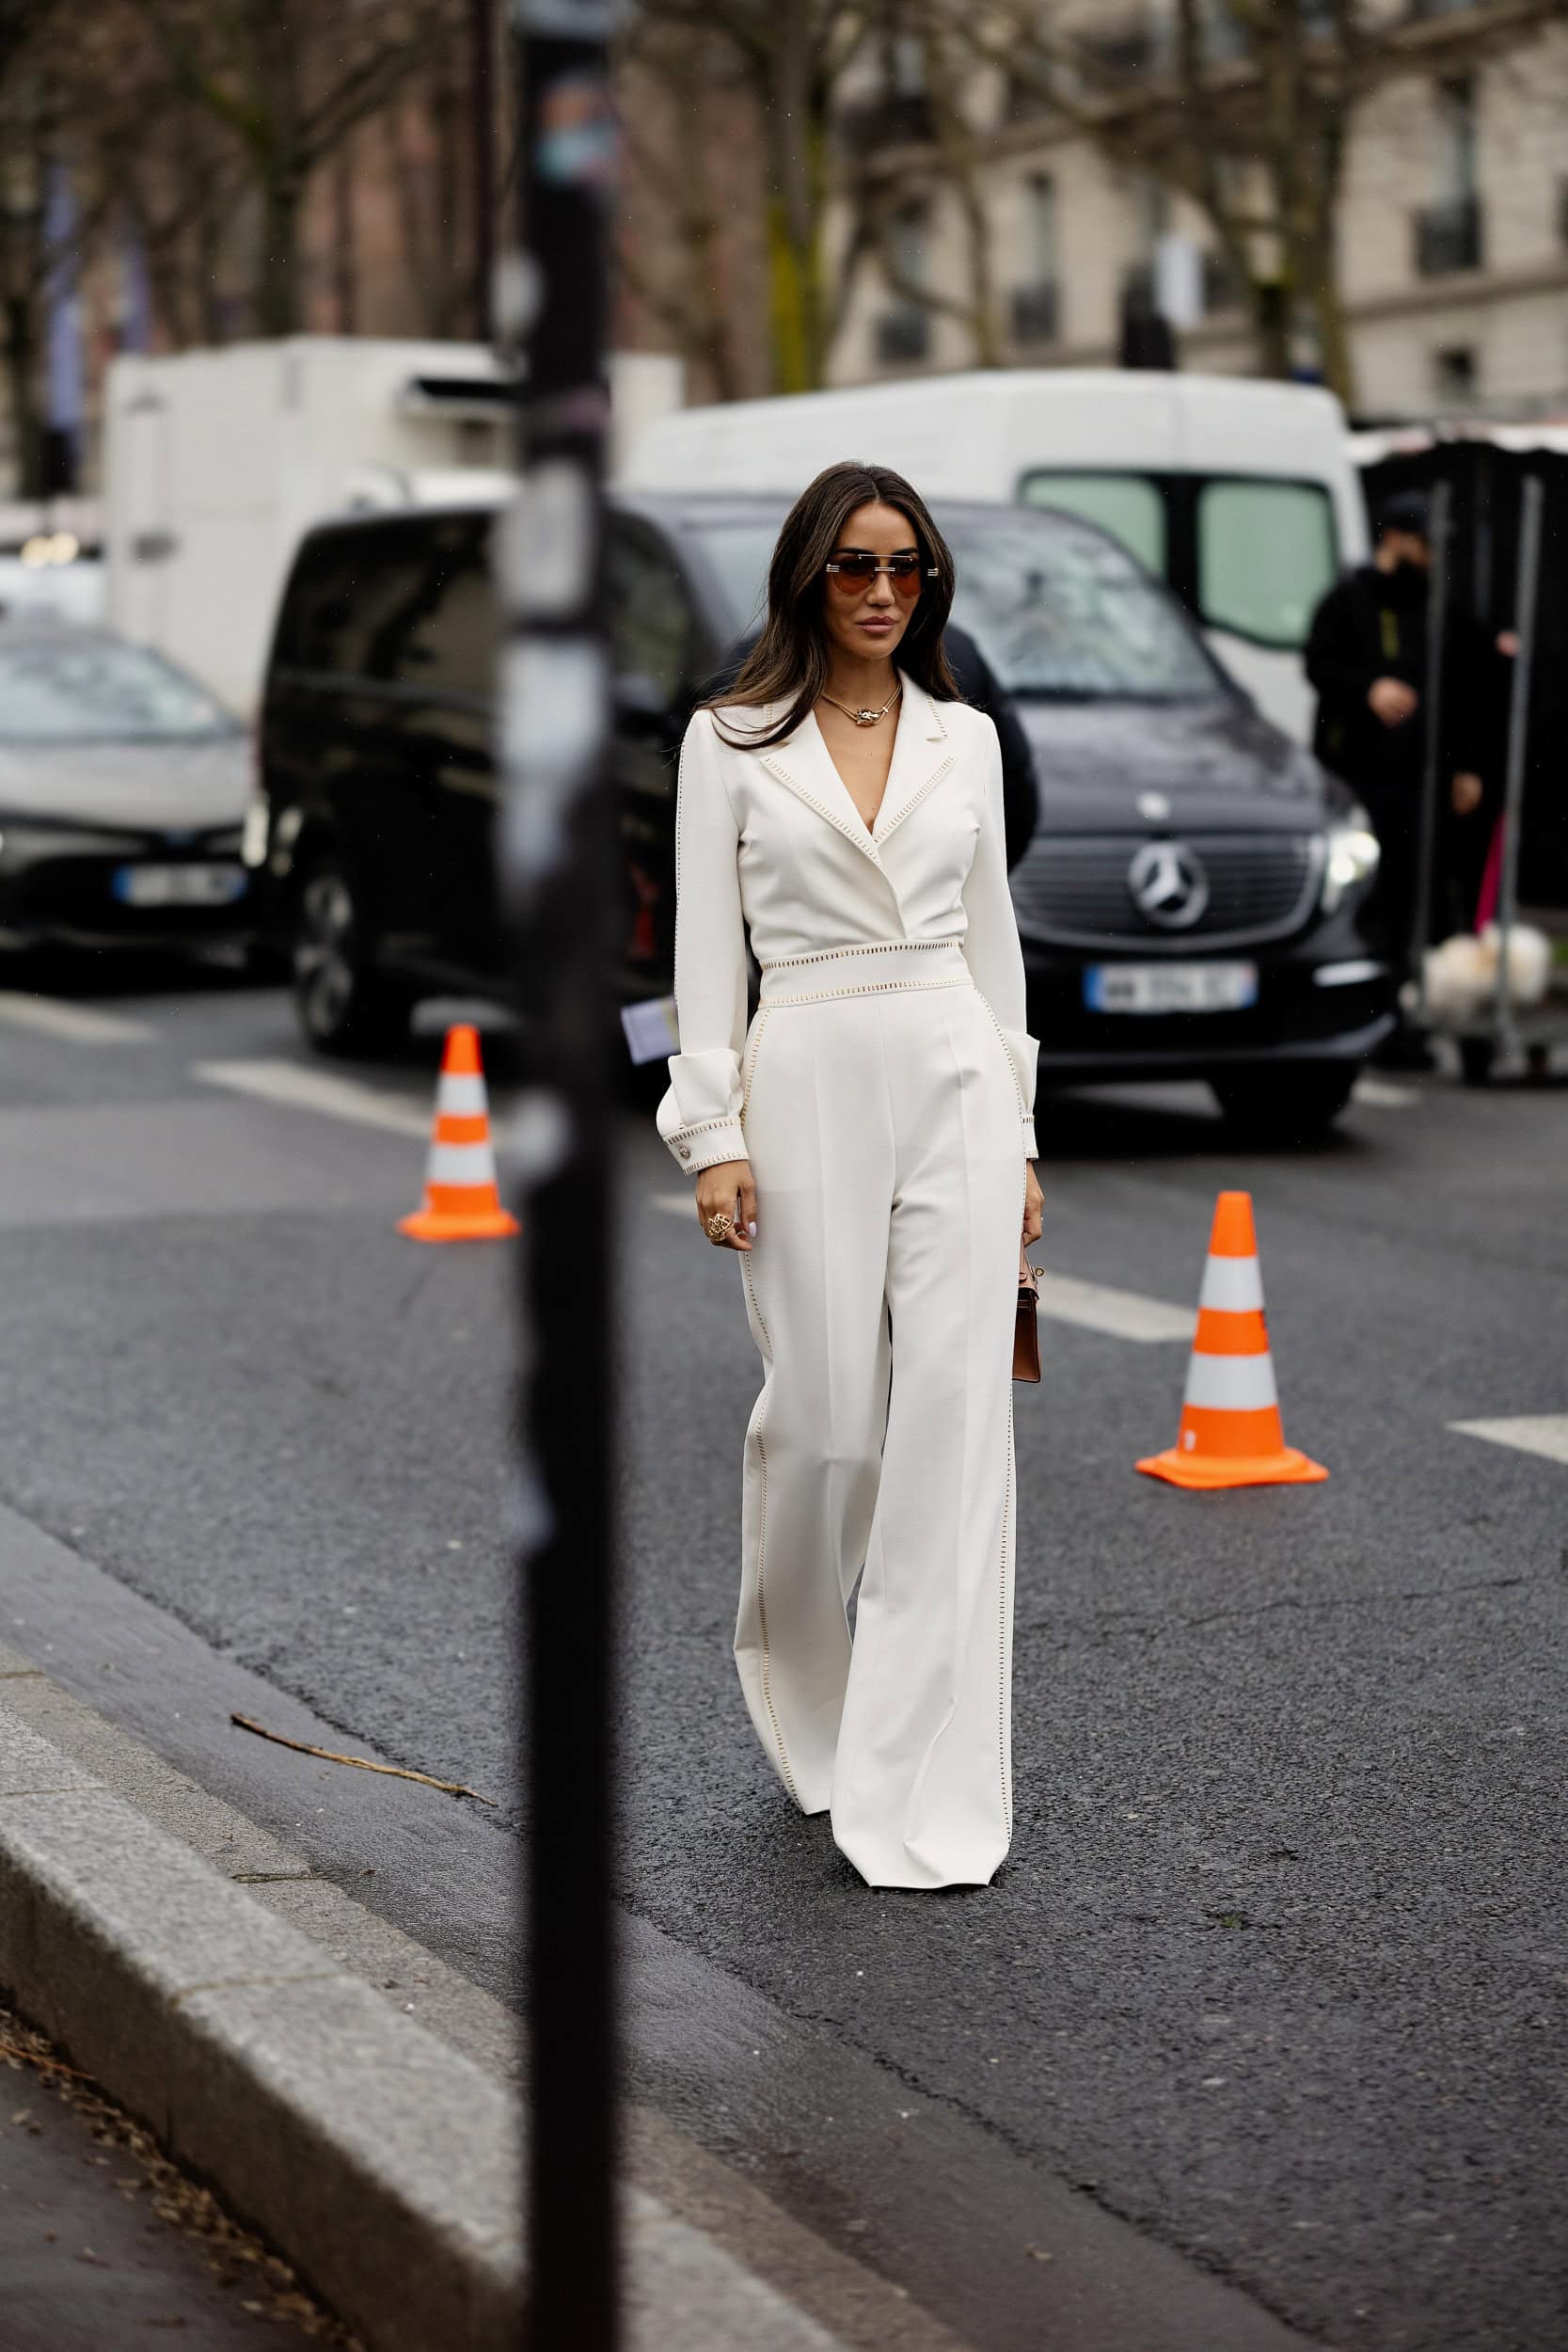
(1033, 1206)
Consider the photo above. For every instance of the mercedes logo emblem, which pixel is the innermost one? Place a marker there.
(1168, 885)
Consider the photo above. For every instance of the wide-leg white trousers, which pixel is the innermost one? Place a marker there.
(882, 1121)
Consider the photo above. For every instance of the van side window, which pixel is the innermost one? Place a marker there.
(437, 626)
(406, 604)
(650, 609)
(322, 612)
(1266, 555)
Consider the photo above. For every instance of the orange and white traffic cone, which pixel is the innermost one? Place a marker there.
(462, 1201)
(1231, 1433)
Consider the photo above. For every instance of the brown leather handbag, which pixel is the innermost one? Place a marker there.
(1026, 1328)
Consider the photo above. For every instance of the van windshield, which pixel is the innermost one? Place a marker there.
(1058, 611)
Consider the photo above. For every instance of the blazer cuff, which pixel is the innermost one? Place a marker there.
(1023, 1052)
(706, 1144)
(1031, 1149)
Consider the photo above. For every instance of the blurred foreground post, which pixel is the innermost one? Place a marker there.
(555, 851)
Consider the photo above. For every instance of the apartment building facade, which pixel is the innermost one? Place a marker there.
(1451, 228)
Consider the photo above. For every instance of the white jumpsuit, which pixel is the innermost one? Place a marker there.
(883, 1092)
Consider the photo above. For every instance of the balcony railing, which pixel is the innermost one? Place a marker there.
(1447, 237)
(1036, 313)
(902, 334)
(892, 118)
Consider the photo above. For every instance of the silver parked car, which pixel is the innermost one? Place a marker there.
(122, 793)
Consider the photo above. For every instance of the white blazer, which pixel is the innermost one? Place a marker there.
(772, 842)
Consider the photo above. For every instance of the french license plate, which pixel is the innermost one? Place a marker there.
(178, 885)
(1171, 987)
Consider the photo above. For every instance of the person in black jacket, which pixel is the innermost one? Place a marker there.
(979, 685)
(1367, 656)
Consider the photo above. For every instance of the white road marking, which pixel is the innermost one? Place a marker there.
(1546, 1434)
(321, 1091)
(1378, 1095)
(1122, 1314)
(1092, 1306)
(78, 1024)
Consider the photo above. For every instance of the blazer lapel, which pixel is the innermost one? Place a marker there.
(921, 754)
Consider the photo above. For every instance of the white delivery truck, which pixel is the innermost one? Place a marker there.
(215, 462)
(1242, 494)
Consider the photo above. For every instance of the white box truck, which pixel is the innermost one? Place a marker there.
(217, 461)
(1240, 494)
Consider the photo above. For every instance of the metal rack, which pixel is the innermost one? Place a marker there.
(1504, 1033)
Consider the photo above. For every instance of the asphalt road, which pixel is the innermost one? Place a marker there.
(1276, 1970)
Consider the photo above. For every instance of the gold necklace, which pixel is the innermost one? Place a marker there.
(865, 718)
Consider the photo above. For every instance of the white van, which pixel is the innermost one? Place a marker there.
(1242, 494)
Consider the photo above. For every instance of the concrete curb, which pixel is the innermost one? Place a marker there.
(382, 2161)
(339, 2127)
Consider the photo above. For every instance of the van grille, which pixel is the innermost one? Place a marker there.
(1074, 890)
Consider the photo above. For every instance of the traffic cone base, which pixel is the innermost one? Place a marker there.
(1231, 1434)
(462, 1200)
(1290, 1467)
(466, 1225)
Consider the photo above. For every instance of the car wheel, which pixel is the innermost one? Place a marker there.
(1287, 1106)
(345, 1005)
(1475, 1056)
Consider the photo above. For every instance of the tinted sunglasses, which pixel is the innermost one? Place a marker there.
(852, 574)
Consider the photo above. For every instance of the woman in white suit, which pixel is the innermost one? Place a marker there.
(864, 1145)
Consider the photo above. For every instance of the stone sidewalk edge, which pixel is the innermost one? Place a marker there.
(382, 2161)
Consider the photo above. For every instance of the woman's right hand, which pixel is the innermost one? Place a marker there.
(728, 1189)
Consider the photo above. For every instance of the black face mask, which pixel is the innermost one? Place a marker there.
(1407, 584)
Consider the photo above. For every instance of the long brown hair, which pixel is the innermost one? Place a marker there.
(789, 662)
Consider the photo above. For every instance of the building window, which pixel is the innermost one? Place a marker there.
(1153, 202)
(1036, 303)
(1040, 227)
(897, 111)
(1456, 140)
(907, 248)
(1449, 234)
(1454, 372)
(904, 330)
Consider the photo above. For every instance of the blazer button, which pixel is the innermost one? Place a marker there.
(685, 1150)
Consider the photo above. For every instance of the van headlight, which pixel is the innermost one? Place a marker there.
(1351, 857)
(253, 839)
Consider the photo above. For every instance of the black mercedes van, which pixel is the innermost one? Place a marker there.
(1193, 904)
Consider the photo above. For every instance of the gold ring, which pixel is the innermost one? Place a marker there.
(719, 1225)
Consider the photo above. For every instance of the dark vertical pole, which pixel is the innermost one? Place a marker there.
(1527, 592)
(555, 851)
(481, 108)
(1433, 765)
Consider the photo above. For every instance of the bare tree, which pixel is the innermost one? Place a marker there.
(53, 96)
(791, 56)
(904, 148)
(287, 90)
(1247, 112)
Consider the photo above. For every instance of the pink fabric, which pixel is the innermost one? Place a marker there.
(1490, 881)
